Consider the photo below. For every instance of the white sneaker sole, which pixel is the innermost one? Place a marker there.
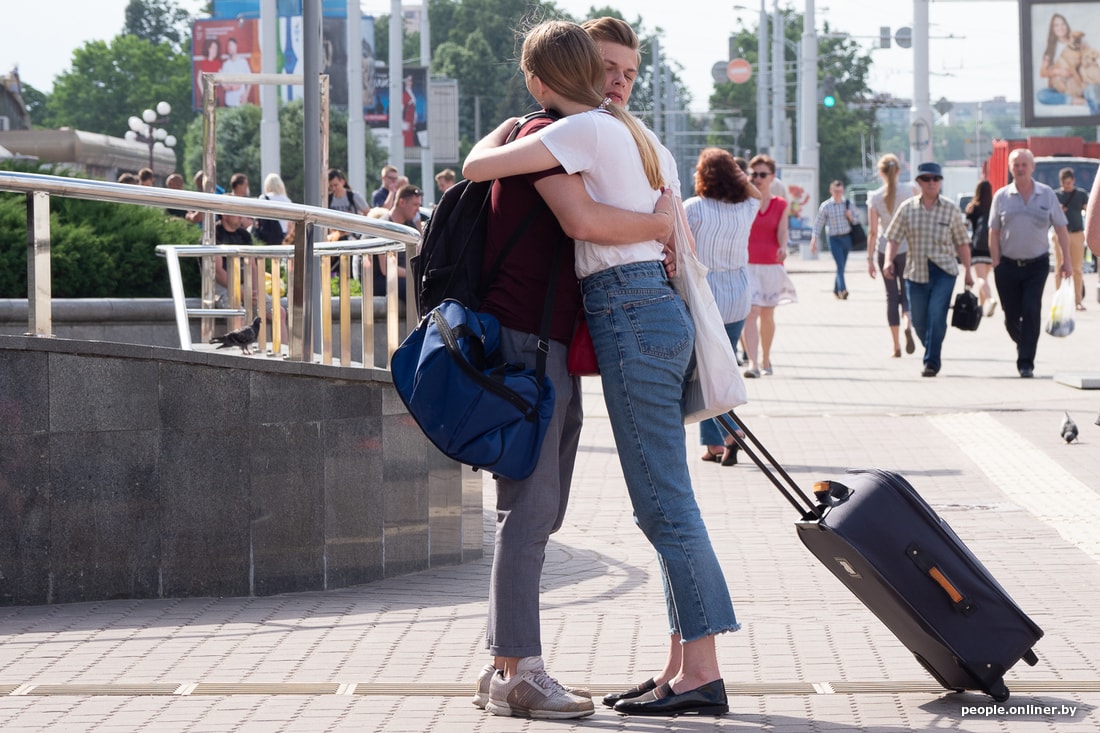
(503, 709)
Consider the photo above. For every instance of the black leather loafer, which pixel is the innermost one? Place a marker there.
(613, 697)
(709, 699)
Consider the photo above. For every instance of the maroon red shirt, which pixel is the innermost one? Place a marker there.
(517, 295)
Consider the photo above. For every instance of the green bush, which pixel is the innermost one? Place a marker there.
(97, 249)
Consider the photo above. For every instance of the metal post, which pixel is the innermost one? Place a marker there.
(807, 113)
(779, 86)
(427, 157)
(269, 95)
(658, 111)
(306, 281)
(397, 140)
(39, 311)
(920, 114)
(357, 126)
(763, 96)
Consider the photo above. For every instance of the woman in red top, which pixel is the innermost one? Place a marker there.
(768, 279)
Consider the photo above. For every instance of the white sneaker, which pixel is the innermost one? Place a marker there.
(481, 691)
(532, 693)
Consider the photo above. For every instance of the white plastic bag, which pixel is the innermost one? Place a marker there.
(1062, 307)
(716, 386)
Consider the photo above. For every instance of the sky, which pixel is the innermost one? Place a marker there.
(973, 50)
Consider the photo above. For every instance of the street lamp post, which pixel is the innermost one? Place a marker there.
(144, 129)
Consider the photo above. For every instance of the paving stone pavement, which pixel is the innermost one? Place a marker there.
(980, 444)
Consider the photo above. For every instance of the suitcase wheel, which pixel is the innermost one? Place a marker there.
(999, 692)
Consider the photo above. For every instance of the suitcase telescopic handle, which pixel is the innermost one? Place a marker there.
(929, 567)
(790, 490)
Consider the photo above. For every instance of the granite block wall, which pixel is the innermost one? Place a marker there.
(140, 472)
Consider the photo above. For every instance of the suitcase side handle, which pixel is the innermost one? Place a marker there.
(928, 566)
(794, 494)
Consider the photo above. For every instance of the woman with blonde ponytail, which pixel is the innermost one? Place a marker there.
(644, 341)
(881, 205)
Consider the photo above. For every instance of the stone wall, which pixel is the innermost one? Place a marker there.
(132, 471)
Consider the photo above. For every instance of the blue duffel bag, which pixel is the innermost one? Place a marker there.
(472, 405)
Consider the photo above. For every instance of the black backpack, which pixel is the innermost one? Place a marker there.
(448, 263)
(268, 231)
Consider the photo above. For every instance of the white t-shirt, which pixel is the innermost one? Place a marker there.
(603, 151)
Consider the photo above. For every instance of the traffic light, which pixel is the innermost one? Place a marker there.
(828, 88)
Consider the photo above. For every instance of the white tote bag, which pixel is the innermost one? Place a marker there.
(716, 386)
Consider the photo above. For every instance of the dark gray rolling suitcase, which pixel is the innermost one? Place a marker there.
(887, 545)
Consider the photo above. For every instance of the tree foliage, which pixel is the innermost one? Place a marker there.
(158, 21)
(839, 127)
(97, 249)
(110, 82)
(237, 141)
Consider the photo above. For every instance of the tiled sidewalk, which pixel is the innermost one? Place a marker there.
(400, 655)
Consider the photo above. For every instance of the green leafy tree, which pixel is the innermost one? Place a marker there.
(158, 21)
(238, 146)
(38, 106)
(839, 127)
(109, 82)
(97, 249)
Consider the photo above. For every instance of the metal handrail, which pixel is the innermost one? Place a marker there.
(311, 222)
(283, 254)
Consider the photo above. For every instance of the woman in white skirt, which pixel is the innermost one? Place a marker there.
(770, 283)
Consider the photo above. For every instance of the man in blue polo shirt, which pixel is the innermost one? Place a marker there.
(1021, 214)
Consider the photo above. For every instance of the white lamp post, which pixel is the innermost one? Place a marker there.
(143, 129)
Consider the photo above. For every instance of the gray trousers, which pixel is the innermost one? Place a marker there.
(529, 511)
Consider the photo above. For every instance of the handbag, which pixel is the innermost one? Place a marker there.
(857, 233)
(966, 314)
(474, 407)
(581, 361)
(1062, 305)
(716, 385)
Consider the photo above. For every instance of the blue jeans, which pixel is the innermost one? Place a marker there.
(710, 431)
(928, 304)
(840, 245)
(1046, 95)
(644, 339)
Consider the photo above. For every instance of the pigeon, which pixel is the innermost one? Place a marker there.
(245, 337)
(1069, 429)
(1098, 419)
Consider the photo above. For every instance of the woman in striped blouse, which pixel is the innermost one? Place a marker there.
(720, 216)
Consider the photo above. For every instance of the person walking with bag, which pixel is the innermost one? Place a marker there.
(644, 338)
(1019, 218)
(835, 215)
(933, 226)
(720, 217)
(881, 206)
(977, 213)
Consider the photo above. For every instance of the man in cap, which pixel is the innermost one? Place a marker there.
(934, 228)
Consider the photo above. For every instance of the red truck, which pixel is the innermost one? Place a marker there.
(1052, 154)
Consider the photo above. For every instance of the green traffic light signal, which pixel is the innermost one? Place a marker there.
(828, 88)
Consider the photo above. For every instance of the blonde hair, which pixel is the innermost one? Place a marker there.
(890, 167)
(274, 184)
(566, 59)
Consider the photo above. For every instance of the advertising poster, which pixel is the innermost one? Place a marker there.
(1060, 62)
(212, 41)
(226, 47)
(414, 105)
(802, 203)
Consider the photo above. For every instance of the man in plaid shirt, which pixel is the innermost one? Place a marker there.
(936, 234)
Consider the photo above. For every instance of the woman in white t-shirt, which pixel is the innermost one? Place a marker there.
(881, 205)
(643, 336)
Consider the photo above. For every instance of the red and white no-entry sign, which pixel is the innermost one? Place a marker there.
(739, 71)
